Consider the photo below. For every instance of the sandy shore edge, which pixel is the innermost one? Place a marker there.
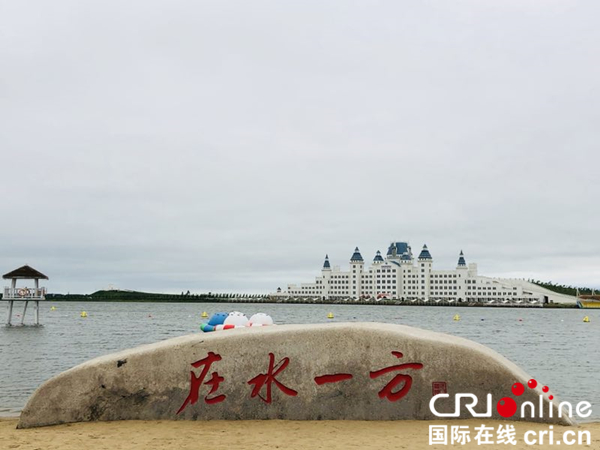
(138, 435)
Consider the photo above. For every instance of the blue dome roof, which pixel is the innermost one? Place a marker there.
(356, 256)
(326, 263)
(461, 259)
(400, 247)
(378, 257)
(425, 253)
(406, 257)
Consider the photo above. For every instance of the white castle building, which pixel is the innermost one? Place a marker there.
(402, 277)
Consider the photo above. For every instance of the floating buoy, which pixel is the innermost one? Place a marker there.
(83, 314)
(456, 318)
(204, 315)
(330, 315)
(53, 308)
(586, 319)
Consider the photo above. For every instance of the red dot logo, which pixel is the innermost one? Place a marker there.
(545, 389)
(551, 397)
(506, 407)
(518, 389)
(532, 383)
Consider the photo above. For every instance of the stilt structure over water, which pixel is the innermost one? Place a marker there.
(25, 294)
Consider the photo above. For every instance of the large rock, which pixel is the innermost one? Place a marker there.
(328, 371)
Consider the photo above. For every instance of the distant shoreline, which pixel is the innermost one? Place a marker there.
(118, 296)
(265, 300)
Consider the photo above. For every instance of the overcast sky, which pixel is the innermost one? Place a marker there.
(228, 145)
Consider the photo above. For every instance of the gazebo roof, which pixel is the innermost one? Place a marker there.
(25, 273)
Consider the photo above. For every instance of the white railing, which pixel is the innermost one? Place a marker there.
(24, 293)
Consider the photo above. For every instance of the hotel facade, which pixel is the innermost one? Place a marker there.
(401, 276)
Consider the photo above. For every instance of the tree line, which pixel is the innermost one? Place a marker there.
(133, 296)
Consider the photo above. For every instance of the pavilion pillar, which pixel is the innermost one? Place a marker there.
(24, 311)
(37, 312)
(10, 309)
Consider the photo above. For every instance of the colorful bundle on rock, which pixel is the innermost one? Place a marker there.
(235, 319)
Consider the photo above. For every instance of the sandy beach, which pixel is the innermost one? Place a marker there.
(301, 435)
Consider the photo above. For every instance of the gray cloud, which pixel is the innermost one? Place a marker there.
(228, 146)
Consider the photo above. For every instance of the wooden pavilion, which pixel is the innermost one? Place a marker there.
(25, 294)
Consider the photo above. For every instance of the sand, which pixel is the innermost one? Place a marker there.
(215, 435)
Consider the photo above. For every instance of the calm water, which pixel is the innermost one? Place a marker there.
(553, 346)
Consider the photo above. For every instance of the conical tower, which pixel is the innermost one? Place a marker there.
(462, 264)
(425, 262)
(378, 258)
(357, 265)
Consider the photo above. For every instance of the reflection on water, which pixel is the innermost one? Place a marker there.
(553, 346)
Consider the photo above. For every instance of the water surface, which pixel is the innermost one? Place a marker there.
(553, 346)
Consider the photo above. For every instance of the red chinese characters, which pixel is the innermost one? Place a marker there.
(269, 378)
(388, 390)
(332, 378)
(262, 384)
(197, 381)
